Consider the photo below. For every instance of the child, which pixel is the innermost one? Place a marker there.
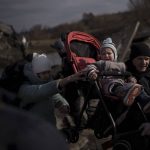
(114, 86)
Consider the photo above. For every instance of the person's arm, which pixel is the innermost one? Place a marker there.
(72, 78)
(31, 93)
(103, 67)
(110, 66)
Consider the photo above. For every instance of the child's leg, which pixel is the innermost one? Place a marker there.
(109, 84)
(127, 92)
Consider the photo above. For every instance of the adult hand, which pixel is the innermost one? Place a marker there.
(75, 77)
(90, 71)
(78, 76)
(145, 129)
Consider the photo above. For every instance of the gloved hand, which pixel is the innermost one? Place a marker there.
(145, 129)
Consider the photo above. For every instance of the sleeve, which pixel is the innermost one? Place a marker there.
(110, 66)
(59, 100)
(32, 93)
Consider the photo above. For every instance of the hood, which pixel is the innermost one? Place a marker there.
(28, 72)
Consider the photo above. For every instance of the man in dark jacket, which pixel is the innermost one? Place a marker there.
(138, 64)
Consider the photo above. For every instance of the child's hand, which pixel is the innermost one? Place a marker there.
(91, 72)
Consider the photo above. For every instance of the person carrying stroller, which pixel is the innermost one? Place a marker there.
(138, 65)
(113, 86)
(40, 93)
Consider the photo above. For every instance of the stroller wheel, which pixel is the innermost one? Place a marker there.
(122, 145)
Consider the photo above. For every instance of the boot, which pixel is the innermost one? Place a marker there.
(128, 92)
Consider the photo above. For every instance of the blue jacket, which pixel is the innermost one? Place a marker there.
(39, 97)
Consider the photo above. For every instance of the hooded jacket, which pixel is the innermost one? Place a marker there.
(39, 97)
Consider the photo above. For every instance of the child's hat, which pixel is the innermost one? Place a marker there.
(40, 63)
(139, 49)
(107, 43)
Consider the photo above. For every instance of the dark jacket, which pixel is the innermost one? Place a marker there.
(143, 78)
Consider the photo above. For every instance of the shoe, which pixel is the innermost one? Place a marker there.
(128, 91)
(146, 108)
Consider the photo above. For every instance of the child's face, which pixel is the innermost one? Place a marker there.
(44, 75)
(107, 54)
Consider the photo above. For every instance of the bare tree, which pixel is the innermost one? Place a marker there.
(141, 9)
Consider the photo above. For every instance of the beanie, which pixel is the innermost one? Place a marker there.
(107, 43)
(139, 49)
(40, 63)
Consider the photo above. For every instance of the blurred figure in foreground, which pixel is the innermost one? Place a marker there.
(22, 131)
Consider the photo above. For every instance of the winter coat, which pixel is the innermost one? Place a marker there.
(103, 65)
(108, 81)
(39, 97)
(143, 78)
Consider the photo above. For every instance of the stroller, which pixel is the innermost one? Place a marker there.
(77, 50)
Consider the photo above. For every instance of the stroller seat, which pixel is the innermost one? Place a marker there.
(81, 62)
(82, 49)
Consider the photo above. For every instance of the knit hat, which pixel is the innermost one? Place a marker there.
(40, 63)
(139, 49)
(107, 43)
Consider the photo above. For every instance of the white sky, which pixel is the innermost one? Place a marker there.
(23, 14)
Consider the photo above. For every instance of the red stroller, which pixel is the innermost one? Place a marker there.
(82, 49)
(78, 49)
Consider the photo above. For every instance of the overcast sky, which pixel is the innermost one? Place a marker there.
(23, 14)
